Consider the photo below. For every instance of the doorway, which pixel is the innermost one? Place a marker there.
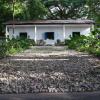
(49, 35)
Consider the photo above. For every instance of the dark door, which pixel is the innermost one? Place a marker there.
(49, 35)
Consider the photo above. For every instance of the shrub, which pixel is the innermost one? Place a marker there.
(90, 44)
(3, 50)
(12, 51)
(18, 44)
(3, 47)
(75, 42)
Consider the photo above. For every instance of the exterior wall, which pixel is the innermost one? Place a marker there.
(60, 31)
(83, 29)
(17, 29)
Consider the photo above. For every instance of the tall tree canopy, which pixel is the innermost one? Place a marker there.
(5, 13)
(36, 9)
(64, 9)
(94, 9)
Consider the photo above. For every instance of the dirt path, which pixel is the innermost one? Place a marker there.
(49, 69)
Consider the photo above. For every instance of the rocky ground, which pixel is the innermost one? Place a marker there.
(49, 69)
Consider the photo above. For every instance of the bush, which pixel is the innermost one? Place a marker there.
(90, 44)
(19, 44)
(2, 50)
(76, 42)
(3, 47)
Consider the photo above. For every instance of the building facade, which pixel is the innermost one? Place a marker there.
(48, 30)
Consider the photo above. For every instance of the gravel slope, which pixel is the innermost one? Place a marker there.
(49, 69)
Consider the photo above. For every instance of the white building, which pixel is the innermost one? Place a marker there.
(48, 30)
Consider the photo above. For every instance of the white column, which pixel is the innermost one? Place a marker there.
(35, 32)
(7, 33)
(64, 31)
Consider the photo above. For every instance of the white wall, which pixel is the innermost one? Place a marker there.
(18, 29)
(41, 29)
(83, 29)
(58, 31)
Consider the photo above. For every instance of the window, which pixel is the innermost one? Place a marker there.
(49, 35)
(23, 35)
(75, 34)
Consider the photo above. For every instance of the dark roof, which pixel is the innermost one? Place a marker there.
(78, 21)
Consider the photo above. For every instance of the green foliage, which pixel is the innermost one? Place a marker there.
(19, 44)
(15, 45)
(76, 42)
(64, 9)
(93, 9)
(2, 47)
(5, 14)
(36, 9)
(90, 44)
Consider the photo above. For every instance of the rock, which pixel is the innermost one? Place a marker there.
(48, 70)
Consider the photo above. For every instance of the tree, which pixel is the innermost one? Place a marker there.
(64, 9)
(36, 9)
(5, 14)
(94, 9)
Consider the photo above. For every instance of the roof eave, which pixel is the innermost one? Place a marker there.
(43, 23)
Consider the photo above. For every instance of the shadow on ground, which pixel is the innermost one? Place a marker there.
(63, 96)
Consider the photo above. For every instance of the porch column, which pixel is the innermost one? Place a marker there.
(35, 32)
(64, 31)
(6, 33)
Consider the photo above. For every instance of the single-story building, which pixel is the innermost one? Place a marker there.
(48, 30)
